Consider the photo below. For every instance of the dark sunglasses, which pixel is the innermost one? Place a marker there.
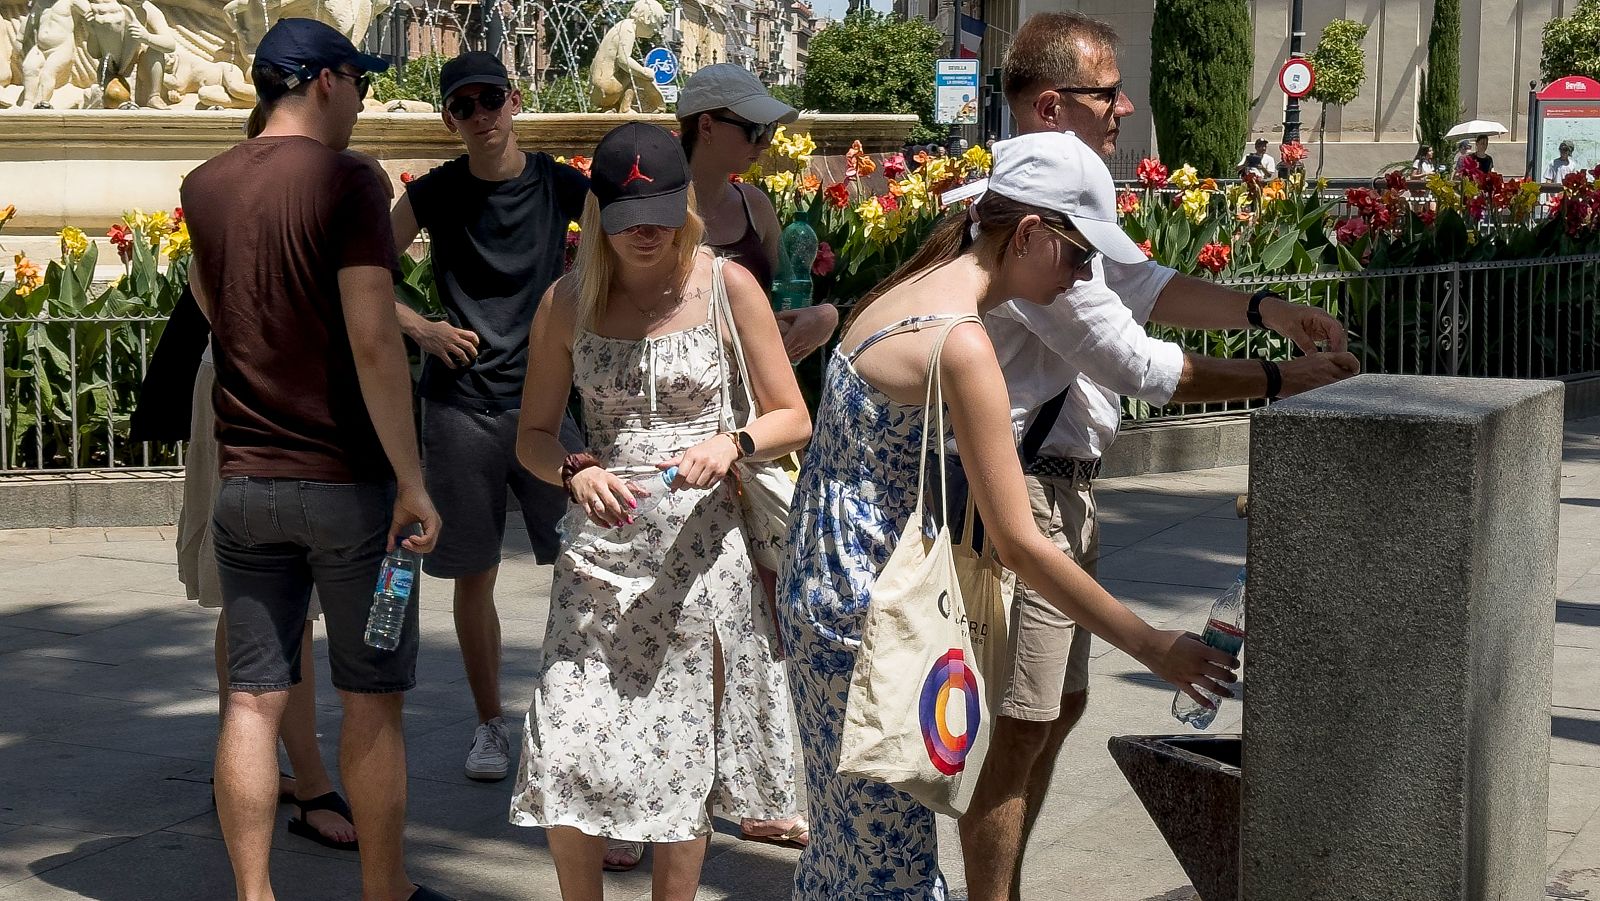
(363, 81)
(1087, 254)
(754, 132)
(1109, 93)
(462, 108)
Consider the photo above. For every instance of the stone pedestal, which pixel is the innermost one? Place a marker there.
(1401, 606)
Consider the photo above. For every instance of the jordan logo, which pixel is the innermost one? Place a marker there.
(636, 175)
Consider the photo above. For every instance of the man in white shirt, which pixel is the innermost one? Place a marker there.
(1561, 165)
(1258, 162)
(1066, 365)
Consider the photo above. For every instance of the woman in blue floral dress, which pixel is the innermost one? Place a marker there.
(1032, 236)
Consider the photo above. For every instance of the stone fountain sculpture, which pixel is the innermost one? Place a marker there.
(156, 54)
(617, 81)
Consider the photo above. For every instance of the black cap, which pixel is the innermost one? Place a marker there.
(472, 67)
(304, 47)
(640, 177)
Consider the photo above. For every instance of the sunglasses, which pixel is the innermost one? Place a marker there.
(1109, 93)
(754, 132)
(1089, 253)
(363, 82)
(462, 108)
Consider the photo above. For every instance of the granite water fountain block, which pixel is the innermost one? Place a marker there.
(1189, 784)
(1402, 559)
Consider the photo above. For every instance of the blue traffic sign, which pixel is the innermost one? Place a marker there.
(662, 61)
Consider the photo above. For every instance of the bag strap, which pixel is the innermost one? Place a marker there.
(933, 416)
(724, 313)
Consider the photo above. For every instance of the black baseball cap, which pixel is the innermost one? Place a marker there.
(640, 176)
(472, 67)
(304, 47)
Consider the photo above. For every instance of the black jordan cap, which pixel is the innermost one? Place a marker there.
(640, 176)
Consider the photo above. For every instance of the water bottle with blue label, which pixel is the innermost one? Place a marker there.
(1225, 632)
(397, 579)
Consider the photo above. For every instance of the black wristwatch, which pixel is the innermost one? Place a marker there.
(743, 441)
(1253, 313)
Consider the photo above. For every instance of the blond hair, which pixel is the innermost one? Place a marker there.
(596, 263)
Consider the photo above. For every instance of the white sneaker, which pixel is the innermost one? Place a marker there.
(490, 757)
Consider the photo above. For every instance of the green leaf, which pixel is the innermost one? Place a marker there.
(1278, 253)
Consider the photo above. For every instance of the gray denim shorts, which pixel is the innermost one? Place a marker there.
(469, 460)
(275, 539)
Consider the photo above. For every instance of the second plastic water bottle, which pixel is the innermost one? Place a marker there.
(1225, 632)
(573, 531)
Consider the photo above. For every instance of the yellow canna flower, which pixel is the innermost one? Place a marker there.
(1196, 204)
(178, 242)
(1186, 177)
(74, 243)
(978, 158)
(780, 182)
(6, 212)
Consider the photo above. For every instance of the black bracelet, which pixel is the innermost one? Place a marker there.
(1274, 378)
(1253, 312)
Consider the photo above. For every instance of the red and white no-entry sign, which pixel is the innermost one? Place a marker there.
(1296, 77)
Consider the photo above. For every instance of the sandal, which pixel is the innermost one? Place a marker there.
(333, 802)
(797, 836)
(423, 893)
(622, 856)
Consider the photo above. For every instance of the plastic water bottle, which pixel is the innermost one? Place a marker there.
(654, 491)
(397, 579)
(1225, 632)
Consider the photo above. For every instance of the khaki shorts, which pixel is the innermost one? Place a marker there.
(197, 555)
(1052, 651)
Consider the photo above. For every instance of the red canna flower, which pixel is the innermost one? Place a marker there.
(122, 238)
(1148, 253)
(1151, 173)
(406, 178)
(1215, 257)
(889, 203)
(894, 165)
(582, 164)
(825, 260)
(838, 195)
(1127, 202)
(1396, 181)
(1351, 230)
(1292, 152)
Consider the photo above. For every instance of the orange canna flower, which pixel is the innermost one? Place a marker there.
(865, 166)
(6, 212)
(1209, 184)
(811, 183)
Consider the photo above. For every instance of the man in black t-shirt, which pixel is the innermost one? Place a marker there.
(497, 222)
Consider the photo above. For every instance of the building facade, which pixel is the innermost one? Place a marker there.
(1500, 48)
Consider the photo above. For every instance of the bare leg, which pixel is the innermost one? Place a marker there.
(299, 731)
(372, 758)
(220, 652)
(478, 632)
(675, 874)
(578, 860)
(247, 786)
(1011, 790)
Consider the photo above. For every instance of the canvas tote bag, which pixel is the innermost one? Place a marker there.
(766, 488)
(920, 706)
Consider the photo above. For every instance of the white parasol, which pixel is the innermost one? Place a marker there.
(1475, 128)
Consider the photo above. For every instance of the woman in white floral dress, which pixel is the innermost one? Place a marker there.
(658, 695)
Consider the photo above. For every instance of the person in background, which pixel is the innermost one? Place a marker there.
(1561, 165)
(1423, 165)
(1067, 366)
(293, 266)
(497, 222)
(1258, 162)
(1479, 156)
(658, 701)
(1049, 212)
(726, 120)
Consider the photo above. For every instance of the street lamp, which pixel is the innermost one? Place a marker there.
(1291, 112)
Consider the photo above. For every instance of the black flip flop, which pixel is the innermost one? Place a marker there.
(332, 801)
(423, 893)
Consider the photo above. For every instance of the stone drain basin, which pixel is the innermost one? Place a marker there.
(1189, 784)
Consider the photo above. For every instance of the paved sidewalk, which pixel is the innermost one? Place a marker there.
(109, 717)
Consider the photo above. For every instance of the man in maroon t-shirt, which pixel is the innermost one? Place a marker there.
(293, 264)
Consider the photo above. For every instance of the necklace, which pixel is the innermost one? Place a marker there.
(661, 308)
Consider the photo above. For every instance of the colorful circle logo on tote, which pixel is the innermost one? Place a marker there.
(948, 711)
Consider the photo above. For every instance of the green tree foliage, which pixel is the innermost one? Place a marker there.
(874, 63)
(1440, 107)
(1572, 43)
(1340, 63)
(792, 94)
(1200, 81)
(414, 79)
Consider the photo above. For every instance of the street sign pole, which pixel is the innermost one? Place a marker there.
(1291, 110)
